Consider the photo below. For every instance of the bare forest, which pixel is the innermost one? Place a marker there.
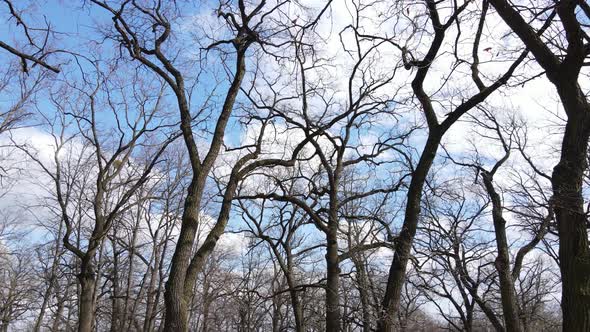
(294, 165)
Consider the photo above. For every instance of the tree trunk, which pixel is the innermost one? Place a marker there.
(185, 268)
(59, 312)
(293, 294)
(152, 291)
(333, 281)
(126, 304)
(507, 291)
(297, 311)
(147, 323)
(46, 297)
(175, 301)
(276, 319)
(86, 304)
(568, 174)
(567, 181)
(403, 244)
(363, 287)
(206, 304)
(52, 279)
(115, 301)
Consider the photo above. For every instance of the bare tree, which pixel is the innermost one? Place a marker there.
(117, 169)
(507, 135)
(247, 24)
(562, 54)
(17, 294)
(308, 191)
(280, 231)
(441, 30)
(330, 153)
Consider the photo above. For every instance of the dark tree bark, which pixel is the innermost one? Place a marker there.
(333, 276)
(40, 47)
(87, 305)
(403, 245)
(567, 178)
(186, 263)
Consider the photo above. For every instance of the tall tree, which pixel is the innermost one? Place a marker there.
(247, 24)
(436, 130)
(112, 163)
(562, 65)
